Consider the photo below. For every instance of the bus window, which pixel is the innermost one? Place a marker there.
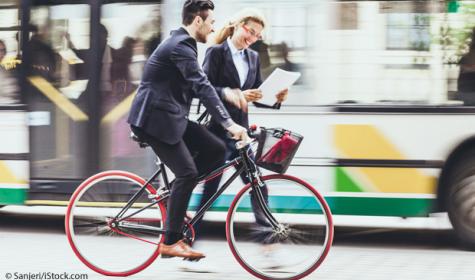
(395, 53)
(9, 60)
(133, 32)
(58, 45)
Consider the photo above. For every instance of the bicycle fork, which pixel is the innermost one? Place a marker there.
(257, 185)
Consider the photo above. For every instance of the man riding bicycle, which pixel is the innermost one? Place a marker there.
(159, 116)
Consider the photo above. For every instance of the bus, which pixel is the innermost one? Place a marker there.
(389, 130)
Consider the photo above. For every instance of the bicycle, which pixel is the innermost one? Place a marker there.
(115, 219)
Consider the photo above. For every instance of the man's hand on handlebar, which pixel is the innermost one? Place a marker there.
(238, 132)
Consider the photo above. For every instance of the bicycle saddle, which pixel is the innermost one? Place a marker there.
(135, 138)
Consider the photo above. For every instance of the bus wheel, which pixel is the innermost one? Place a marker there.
(461, 203)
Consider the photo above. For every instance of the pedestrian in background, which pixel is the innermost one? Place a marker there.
(232, 66)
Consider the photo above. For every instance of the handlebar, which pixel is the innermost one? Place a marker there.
(253, 132)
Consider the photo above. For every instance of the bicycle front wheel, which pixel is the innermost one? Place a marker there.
(295, 243)
(106, 245)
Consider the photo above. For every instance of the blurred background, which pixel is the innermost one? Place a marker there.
(385, 100)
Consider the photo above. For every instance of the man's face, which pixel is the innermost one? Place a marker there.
(205, 28)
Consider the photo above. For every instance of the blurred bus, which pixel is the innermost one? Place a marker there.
(389, 131)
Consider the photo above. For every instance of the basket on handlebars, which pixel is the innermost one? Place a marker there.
(276, 148)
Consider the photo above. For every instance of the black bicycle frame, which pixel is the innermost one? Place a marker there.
(134, 198)
(246, 165)
(201, 212)
(250, 168)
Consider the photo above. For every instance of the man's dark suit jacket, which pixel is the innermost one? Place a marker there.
(219, 66)
(172, 78)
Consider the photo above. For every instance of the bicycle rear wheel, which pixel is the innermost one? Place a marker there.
(293, 249)
(107, 247)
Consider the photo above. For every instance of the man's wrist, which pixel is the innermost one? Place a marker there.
(228, 123)
(226, 91)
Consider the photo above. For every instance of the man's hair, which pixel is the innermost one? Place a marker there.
(193, 8)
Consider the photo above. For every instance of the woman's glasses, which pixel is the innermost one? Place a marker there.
(252, 32)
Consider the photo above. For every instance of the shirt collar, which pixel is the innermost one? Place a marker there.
(233, 48)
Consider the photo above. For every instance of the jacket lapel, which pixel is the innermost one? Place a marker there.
(230, 65)
(251, 74)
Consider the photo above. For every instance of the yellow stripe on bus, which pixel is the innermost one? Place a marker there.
(121, 109)
(7, 176)
(47, 202)
(367, 142)
(59, 99)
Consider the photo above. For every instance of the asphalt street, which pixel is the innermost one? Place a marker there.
(35, 242)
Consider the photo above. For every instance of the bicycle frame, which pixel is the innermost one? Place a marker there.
(245, 164)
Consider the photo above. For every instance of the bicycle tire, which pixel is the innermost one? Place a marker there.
(300, 209)
(82, 206)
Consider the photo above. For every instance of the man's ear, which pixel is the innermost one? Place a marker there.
(198, 20)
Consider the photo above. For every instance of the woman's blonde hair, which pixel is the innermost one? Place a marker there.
(243, 16)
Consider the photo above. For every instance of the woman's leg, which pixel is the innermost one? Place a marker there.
(209, 154)
(209, 189)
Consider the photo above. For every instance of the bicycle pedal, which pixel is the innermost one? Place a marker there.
(192, 259)
(166, 256)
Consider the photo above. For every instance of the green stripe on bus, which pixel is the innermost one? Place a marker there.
(372, 206)
(378, 206)
(12, 196)
(344, 182)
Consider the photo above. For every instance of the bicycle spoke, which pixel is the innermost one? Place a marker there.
(91, 224)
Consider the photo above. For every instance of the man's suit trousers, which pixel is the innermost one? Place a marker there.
(199, 152)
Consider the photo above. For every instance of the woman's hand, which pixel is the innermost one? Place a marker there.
(236, 98)
(282, 95)
(252, 95)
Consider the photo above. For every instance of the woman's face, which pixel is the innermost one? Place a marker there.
(247, 34)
